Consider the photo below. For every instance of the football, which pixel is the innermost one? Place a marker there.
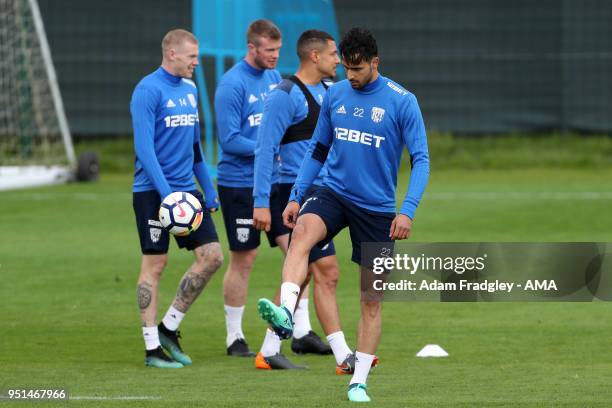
(180, 213)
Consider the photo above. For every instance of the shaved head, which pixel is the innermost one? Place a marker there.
(176, 38)
(180, 53)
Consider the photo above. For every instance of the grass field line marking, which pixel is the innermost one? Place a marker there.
(119, 398)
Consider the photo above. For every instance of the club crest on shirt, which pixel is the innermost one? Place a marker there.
(192, 100)
(377, 114)
(155, 234)
(242, 234)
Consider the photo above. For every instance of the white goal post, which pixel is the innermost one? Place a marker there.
(35, 141)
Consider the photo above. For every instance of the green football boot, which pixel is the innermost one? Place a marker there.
(278, 317)
(357, 393)
(157, 358)
(170, 343)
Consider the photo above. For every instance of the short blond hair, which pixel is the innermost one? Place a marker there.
(174, 38)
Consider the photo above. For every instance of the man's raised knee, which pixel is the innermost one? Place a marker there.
(299, 233)
(300, 239)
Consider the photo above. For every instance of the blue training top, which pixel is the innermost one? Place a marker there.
(239, 109)
(366, 130)
(285, 106)
(166, 126)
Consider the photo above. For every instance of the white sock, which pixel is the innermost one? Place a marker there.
(151, 337)
(363, 362)
(173, 318)
(339, 347)
(289, 294)
(271, 344)
(301, 319)
(233, 323)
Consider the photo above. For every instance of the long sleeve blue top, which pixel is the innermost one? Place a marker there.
(285, 106)
(239, 101)
(165, 120)
(360, 135)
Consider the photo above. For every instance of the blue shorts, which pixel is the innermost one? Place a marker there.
(237, 207)
(364, 225)
(155, 240)
(316, 253)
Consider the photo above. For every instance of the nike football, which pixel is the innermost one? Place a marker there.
(180, 213)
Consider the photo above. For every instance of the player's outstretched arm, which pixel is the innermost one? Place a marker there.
(200, 169)
(413, 133)
(276, 118)
(228, 106)
(318, 148)
(277, 114)
(142, 108)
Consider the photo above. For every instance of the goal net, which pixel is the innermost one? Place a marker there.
(35, 142)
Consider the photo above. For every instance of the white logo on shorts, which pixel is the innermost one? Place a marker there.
(325, 247)
(306, 202)
(242, 234)
(155, 223)
(155, 234)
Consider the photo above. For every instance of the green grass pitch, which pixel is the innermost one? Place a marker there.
(69, 260)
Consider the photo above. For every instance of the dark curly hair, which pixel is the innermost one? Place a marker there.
(358, 45)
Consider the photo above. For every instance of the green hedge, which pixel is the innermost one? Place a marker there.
(446, 151)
